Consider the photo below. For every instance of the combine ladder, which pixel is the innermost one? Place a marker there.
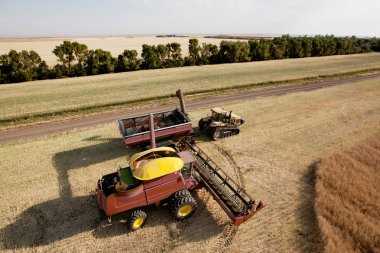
(233, 199)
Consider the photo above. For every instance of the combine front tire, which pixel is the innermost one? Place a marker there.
(179, 195)
(136, 220)
(183, 207)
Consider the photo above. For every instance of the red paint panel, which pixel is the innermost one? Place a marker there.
(161, 188)
(145, 137)
(119, 202)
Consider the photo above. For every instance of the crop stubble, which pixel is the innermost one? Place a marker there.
(48, 184)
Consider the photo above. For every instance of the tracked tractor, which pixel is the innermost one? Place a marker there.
(220, 124)
(168, 176)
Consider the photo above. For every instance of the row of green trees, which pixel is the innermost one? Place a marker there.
(76, 59)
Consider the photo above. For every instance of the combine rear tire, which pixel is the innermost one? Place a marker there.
(183, 207)
(136, 220)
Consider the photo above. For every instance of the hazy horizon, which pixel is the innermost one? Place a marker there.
(86, 18)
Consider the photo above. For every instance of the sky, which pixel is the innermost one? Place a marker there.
(59, 18)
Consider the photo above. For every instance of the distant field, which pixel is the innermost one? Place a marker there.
(56, 95)
(49, 204)
(347, 202)
(116, 45)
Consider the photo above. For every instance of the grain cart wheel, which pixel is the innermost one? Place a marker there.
(136, 219)
(184, 207)
(179, 195)
(217, 134)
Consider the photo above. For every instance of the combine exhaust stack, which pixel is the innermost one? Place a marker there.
(233, 199)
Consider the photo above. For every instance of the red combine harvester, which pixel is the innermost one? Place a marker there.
(166, 176)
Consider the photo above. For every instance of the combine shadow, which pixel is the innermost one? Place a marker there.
(84, 157)
(57, 219)
(51, 221)
(309, 231)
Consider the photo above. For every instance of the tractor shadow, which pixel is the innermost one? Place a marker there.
(309, 234)
(67, 216)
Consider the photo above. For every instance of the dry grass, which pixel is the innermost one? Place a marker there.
(347, 202)
(116, 45)
(56, 95)
(47, 184)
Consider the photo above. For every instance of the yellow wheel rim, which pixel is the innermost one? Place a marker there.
(185, 210)
(138, 222)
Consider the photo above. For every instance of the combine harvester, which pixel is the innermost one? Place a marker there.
(166, 176)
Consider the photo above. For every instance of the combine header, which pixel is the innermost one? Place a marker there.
(233, 199)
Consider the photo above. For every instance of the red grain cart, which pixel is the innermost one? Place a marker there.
(168, 125)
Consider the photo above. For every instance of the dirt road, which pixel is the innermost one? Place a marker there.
(23, 133)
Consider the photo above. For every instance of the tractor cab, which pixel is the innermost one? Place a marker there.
(218, 114)
(221, 115)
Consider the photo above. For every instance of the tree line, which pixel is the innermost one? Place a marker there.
(76, 59)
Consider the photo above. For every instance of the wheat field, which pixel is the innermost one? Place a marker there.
(47, 184)
(116, 45)
(347, 199)
(56, 95)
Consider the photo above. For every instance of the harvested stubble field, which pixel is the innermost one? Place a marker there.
(116, 45)
(47, 96)
(47, 184)
(347, 199)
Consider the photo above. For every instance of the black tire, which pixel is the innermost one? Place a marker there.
(136, 220)
(236, 132)
(183, 207)
(201, 124)
(217, 134)
(179, 195)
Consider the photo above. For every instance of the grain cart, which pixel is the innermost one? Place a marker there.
(221, 124)
(168, 125)
(165, 176)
